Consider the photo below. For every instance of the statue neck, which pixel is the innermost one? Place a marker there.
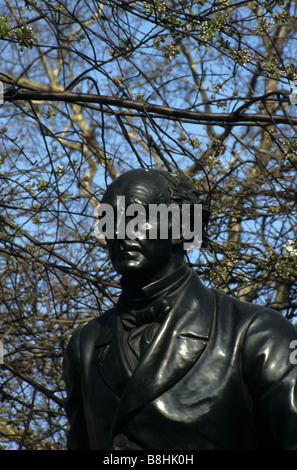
(150, 289)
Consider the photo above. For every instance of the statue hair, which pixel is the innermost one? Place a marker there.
(182, 191)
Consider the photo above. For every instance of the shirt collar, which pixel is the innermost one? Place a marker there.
(154, 290)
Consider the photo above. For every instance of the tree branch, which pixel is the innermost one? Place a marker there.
(234, 118)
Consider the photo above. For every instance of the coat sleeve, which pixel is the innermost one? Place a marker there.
(270, 373)
(77, 434)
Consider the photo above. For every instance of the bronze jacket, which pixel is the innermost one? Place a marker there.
(217, 375)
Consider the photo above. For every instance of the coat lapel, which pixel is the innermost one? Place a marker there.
(177, 346)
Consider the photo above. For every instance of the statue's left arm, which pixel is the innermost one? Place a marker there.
(270, 373)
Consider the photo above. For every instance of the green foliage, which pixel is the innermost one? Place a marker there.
(24, 35)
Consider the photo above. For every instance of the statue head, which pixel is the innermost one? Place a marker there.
(154, 239)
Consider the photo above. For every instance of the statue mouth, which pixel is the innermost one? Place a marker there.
(129, 247)
(129, 254)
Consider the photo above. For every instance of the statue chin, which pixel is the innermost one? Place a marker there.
(130, 266)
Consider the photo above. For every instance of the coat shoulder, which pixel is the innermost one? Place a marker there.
(97, 330)
(100, 325)
(258, 324)
(252, 313)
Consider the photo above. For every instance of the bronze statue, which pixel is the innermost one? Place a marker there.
(175, 365)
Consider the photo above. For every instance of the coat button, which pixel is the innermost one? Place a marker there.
(120, 442)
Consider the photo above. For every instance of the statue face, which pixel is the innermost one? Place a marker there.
(141, 255)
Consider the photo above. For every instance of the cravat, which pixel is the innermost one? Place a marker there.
(141, 317)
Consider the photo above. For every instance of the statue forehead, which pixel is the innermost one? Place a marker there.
(145, 185)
